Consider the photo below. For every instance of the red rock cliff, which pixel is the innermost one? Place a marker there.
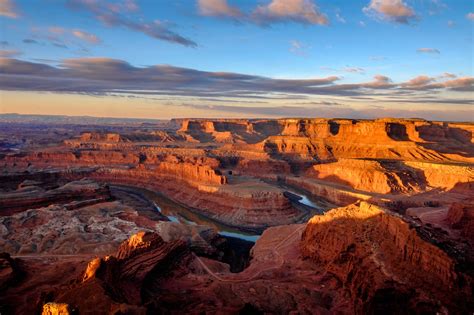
(385, 263)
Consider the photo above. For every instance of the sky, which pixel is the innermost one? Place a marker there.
(230, 58)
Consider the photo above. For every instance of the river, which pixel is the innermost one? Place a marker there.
(180, 214)
(305, 200)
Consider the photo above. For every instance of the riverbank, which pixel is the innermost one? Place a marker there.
(176, 212)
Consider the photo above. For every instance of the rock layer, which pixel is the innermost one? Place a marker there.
(74, 194)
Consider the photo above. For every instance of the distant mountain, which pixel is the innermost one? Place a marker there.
(76, 120)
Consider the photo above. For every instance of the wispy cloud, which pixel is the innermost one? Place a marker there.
(418, 81)
(436, 7)
(57, 30)
(62, 37)
(9, 53)
(271, 12)
(88, 37)
(220, 8)
(349, 69)
(428, 51)
(470, 16)
(123, 6)
(30, 41)
(301, 11)
(340, 18)
(390, 10)
(102, 11)
(354, 69)
(447, 75)
(298, 48)
(8, 9)
(424, 82)
(60, 45)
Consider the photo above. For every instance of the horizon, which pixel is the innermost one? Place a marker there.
(364, 59)
(381, 118)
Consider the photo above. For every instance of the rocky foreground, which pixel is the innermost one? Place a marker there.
(389, 230)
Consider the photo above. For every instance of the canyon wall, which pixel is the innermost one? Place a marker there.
(251, 206)
(445, 176)
(369, 175)
(32, 196)
(386, 262)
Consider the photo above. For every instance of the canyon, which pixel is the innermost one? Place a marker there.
(237, 216)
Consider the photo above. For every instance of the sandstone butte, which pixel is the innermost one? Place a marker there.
(388, 228)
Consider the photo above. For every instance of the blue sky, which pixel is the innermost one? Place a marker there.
(276, 39)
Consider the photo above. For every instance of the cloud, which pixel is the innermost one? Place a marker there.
(460, 84)
(105, 76)
(344, 69)
(155, 29)
(448, 75)
(9, 53)
(59, 45)
(4, 43)
(8, 9)
(300, 11)
(418, 81)
(340, 18)
(380, 81)
(273, 11)
(123, 6)
(437, 7)
(451, 23)
(88, 37)
(30, 41)
(354, 69)
(57, 30)
(428, 51)
(470, 16)
(130, 5)
(62, 37)
(19, 67)
(423, 82)
(298, 48)
(377, 58)
(391, 10)
(218, 8)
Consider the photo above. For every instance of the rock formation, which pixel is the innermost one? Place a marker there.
(56, 309)
(461, 217)
(73, 194)
(386, 261)
(368, 175)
